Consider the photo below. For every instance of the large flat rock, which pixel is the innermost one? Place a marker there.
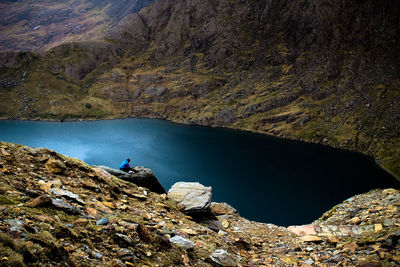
(141, 176)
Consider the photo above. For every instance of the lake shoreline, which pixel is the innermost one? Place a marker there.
(376, 161)
(124, 214)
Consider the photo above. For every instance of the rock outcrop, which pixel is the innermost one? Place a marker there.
(191, 197)
(141, 176)
(111, 226)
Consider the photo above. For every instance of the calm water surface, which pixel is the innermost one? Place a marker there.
(266, 179)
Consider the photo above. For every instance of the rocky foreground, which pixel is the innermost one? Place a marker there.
(58, 211)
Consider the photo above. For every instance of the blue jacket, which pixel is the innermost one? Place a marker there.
(124, 164)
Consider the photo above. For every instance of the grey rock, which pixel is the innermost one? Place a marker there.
(15, 225)
(102, 221)
(225, 116)
(156, 91)
(92, 253)
(388, 222)
(67, 194)
(182, 242)
(117, 173)
(212, 223)
(125, 255)
(191, 197)
(145, 177)
(335, 258)
(309, 261)
(68, 208)
(97, 255)
(303, 121)
(123, 239)
(223, 258)
(141, 176)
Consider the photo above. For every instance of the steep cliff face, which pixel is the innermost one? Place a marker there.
(320, 71)
(40, 25)
(317, 70)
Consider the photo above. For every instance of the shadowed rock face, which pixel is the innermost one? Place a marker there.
(323, 72)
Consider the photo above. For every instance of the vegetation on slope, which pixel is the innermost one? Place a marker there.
(310, 70)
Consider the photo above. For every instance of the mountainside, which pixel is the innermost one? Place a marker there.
(319, 71)
(30, 25)
(58, 211)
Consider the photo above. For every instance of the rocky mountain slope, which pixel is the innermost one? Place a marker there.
(40, 25)
(57, 211)
(310, 70)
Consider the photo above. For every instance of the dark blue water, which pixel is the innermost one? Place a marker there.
(265, 178)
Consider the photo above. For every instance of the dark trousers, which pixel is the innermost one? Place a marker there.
(125, 169)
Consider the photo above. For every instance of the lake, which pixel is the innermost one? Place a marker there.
(265, 178)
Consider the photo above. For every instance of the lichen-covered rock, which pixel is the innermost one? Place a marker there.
(191, 197)
(55, 166)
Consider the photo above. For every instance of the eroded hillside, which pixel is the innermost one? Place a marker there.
(324, 72)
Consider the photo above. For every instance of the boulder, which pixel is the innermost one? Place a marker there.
(223, 258)
(191, 197)
(141, 176)
(55, 166)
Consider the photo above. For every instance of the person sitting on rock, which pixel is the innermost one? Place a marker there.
(125, 166)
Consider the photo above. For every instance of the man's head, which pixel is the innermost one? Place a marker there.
(128, 160)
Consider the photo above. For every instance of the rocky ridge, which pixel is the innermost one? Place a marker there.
(315, 71)
(58, 211)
